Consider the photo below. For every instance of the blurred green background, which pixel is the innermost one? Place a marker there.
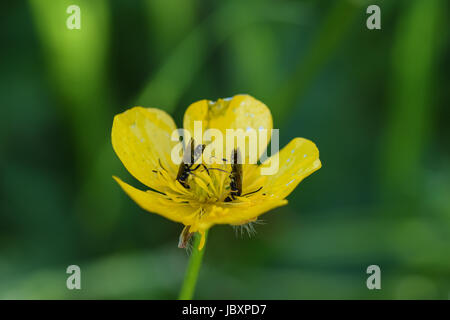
(373, 101)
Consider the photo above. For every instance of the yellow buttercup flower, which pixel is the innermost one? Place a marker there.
(141, 138)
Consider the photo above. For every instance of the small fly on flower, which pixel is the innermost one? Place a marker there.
(236, 177)
(190, 157)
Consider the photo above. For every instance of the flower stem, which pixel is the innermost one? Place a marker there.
(195, 262)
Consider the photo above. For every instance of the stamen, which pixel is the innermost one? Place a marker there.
(202, 185)
(252, 192)
(160, 164)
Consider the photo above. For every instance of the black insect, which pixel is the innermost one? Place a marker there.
(236, 177)
(190, 156)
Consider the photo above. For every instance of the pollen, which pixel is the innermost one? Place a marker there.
(205, 186)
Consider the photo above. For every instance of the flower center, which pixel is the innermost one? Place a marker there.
(210, 184)
(207, 184)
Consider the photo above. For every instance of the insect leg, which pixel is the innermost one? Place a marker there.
(252, 192)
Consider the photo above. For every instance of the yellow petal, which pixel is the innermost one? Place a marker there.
(239, 213)
(252, 179)
(141, 138)
(157, 203)
(297, 160)
(239, 112)
(256, 210)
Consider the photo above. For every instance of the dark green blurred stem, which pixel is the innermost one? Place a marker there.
(161, 17)
(195, 262)
(411, 95)
(77, 65)
(335, 26)
(76, 61)
(171, 80)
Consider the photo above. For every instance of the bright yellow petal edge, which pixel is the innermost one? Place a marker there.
(141, 138)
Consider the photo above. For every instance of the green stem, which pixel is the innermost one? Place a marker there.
(195, 262)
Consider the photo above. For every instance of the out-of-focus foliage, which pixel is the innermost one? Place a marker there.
(375, 102)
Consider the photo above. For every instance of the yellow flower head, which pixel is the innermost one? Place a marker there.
(142, 139)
